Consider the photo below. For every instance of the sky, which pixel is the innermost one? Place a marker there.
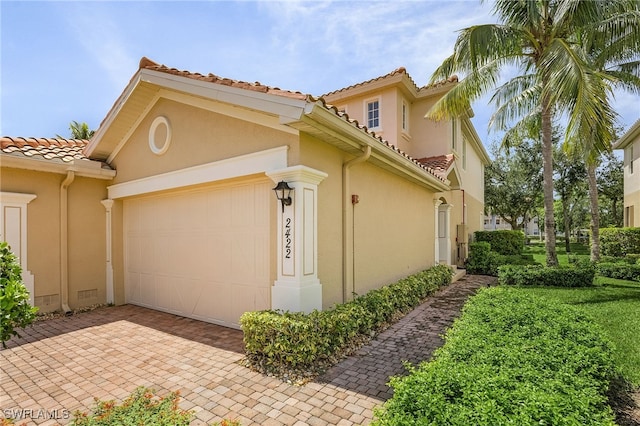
(70, 60)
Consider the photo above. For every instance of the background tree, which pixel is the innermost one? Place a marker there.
(79, 131)
(611, 191)
(544, 41)
(570, 176)
(513, 182)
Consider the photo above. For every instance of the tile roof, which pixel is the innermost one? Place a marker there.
(146, 63)
(440, 163)
(397, 71)
(53, 149)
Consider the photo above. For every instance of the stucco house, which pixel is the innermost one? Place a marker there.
(171, 204)
(630, 144)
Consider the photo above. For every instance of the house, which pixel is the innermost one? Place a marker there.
(630, 144)
(171, 204)
(494, 222)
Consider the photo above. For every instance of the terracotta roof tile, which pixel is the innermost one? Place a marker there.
(146, 63)
(440, 164)
(54, 149)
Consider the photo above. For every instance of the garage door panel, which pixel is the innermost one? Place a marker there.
(203, 254)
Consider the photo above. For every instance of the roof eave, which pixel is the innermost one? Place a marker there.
(628, 137)
(83, 168)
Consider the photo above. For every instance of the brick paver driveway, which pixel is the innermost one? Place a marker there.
(60, 365)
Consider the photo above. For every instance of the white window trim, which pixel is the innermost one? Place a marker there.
(366, 113)
(404, 117)
(630, 152)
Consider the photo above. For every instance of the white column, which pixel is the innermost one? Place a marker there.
(436, 232)
(13, 230)
(108, 204)
(297, 287)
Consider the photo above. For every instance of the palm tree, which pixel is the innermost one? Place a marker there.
(79, 130)
(541, 40)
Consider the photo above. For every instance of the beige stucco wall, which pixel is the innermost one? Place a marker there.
(86, 241)
(198, 137)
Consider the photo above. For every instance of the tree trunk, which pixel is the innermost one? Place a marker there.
(565, 221)
(547, 183)
(595, 214)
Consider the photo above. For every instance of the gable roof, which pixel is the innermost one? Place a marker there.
(57, 155)
(629, 136)
(441, 164)
(294, 109)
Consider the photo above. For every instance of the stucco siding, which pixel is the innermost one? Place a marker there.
(198, 137)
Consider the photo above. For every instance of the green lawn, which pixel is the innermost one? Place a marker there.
(536, 248)
(614, 305)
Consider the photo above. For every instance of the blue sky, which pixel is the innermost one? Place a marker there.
(70, 60)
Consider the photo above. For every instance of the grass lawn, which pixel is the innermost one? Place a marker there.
(614, 304)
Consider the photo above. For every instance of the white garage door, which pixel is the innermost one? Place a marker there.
(201, 254)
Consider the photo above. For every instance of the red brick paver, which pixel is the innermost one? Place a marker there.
(60, 366)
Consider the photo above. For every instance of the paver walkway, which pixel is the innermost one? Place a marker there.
(60, 365)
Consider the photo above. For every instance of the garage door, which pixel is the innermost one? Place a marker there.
(201, 254)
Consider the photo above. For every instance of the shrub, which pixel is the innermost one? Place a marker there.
(14, 297)
(510, 359)
(504, 241)
(620, 270)
(294, 346)
(523, 275)
(142, 408)
(619, 242)
(483, 261)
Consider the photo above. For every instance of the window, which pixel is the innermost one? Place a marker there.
(464, 153)
(628, 217)
(405, 117)
(630, 152)
(454, 134)
(373, 114)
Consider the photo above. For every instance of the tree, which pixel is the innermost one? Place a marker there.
(544, 41)
(569, 185)
(79, 130)
(611, 191)
(513, 182)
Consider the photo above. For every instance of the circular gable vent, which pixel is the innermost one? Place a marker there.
(160, 135)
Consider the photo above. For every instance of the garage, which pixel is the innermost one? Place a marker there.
(202, 253)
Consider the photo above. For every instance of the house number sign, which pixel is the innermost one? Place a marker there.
(288, 242)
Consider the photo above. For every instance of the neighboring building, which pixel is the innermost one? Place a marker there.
(170, 205)
(630, 144)
(494, 222)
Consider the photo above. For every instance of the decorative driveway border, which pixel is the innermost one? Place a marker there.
(60, 366)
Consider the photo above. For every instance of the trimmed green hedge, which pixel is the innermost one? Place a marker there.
(483, 261)
(510, 359)
(619, 242)
(290, 344)
(619, 270)
(504, 242)
(560, 276)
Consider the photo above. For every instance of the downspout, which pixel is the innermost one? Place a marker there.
(347, 264)
(64, 242)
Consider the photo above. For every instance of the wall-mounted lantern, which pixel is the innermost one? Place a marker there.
(283, 193)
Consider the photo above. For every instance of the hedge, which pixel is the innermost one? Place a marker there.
(619, 270)
(559, 276)
(504, 242)
(510, 359)
(295, 346)
(619, 242)
(483, 261)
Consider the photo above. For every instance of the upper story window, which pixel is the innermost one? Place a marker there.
(630, 153)
(405, 117)
(454, 134)
(373, 114)
(464, 153)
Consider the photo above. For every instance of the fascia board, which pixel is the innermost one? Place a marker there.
(96, 172)
(628, 137)
(350, 134)
(269, 103)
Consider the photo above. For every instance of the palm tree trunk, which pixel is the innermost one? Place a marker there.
(565, 221)
(547, 183)
(595, 213)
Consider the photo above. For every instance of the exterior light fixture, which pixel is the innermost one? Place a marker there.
(283, 193)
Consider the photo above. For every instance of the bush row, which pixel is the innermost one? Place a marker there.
(619, 270)
(545, 276)
(290, 345)
(511, 359)
(483, 260)
(619, 241)
(504, 242)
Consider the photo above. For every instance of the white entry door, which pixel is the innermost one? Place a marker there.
(202, 254)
